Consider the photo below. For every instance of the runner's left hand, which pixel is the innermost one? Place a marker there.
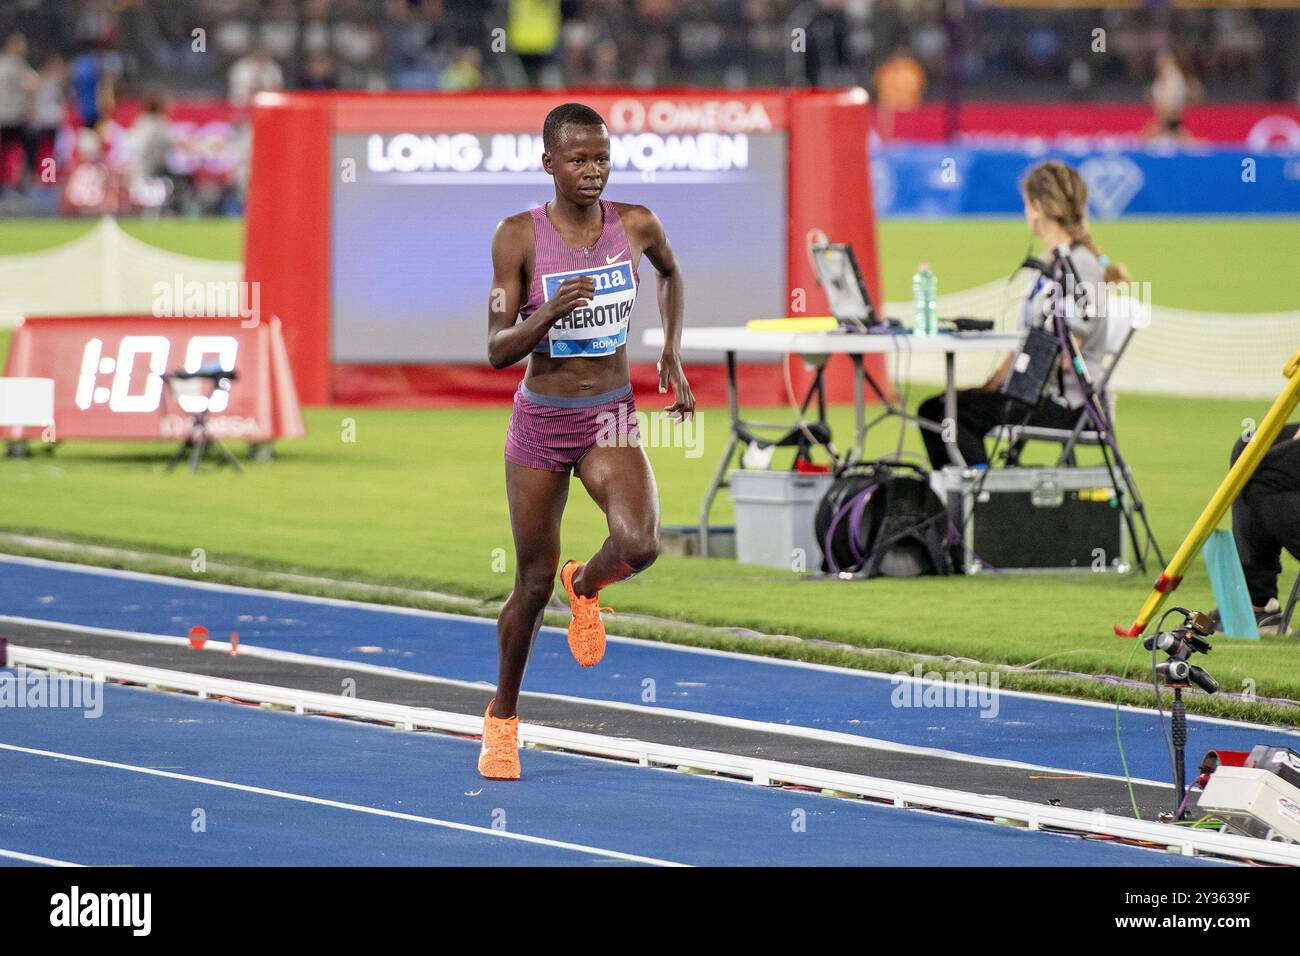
(672, 376)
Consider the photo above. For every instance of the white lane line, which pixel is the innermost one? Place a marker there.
(43, 860)
(662, 647)
(340, 805)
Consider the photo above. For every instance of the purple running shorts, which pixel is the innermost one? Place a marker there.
(552, 433)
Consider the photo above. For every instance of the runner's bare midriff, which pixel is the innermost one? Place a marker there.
(568, 377)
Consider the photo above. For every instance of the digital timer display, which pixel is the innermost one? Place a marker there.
(95, 365)
(108, 376)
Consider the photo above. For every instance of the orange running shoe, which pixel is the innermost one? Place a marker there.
(586, 630)
(499, 758)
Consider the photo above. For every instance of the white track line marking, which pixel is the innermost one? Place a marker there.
(28, 858)
(659, 646)
(340, 805)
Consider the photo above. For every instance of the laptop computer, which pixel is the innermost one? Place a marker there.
(841, 278)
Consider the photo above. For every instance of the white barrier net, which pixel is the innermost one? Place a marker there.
(103, 271)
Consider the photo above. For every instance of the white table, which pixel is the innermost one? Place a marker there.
(730, 340)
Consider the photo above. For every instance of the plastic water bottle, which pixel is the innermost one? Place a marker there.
(925, 316)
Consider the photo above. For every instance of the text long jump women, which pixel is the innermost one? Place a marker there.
(564, 282)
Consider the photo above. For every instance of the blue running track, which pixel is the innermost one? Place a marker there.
(132, 787)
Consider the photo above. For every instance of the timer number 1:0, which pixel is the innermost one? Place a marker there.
(118, 397)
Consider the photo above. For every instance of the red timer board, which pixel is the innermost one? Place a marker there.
(107, 372)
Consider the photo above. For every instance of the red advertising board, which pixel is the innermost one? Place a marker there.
(1256, 126)
(107, 372)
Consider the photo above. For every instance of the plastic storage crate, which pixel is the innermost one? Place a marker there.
(775, 511)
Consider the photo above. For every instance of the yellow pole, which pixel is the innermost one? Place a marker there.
(1228, 490)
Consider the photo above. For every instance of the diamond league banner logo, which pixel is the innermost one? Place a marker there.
(1112, 181)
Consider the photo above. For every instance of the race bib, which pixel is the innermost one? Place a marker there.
(599, 327)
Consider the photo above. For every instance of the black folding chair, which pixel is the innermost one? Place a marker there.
(1125, 314)
(1118, 335)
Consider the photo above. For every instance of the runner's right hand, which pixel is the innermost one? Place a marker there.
(574, 292)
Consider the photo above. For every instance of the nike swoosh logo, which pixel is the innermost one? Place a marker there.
(610, 260)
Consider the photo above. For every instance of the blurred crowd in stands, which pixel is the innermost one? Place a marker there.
(230, 45)
(67, 63)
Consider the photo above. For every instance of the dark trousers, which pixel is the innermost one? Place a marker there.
(22, 136)
(43, 144)
(977, 412)
(1266, 515)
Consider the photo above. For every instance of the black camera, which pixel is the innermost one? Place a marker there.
(1181, 643)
